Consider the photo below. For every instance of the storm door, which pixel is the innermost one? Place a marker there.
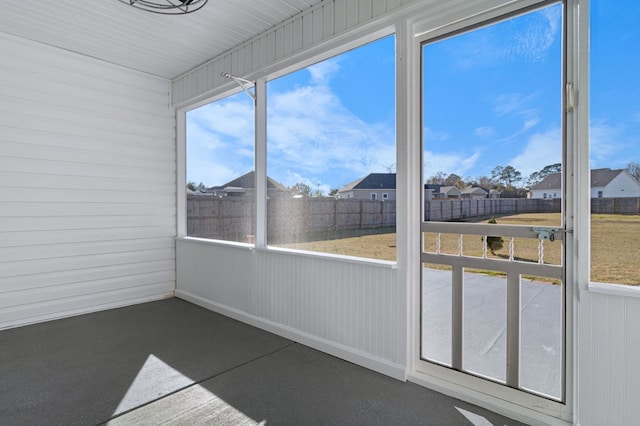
(493, 226)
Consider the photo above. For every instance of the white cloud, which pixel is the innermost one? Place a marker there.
(457, 163)
(528, 37)
(541, 150)
(485, 132)
(323, 71)
(310, 129)
(220, 141)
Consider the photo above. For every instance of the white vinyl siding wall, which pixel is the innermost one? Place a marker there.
(87, 184)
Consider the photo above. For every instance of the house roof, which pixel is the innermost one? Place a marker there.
(166, 46)
(599, 178)
(474, 190)
(447, 189)
(248, 181)
(372, 181)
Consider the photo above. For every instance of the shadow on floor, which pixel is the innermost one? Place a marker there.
(171, 362)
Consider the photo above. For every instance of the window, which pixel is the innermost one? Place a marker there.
(324, 138)
(373, 196)
(221, 182)
(385, 196)
(614, 145)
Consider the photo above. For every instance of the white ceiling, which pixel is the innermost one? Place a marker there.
(166, 46)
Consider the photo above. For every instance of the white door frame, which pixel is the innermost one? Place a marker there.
(521, 405)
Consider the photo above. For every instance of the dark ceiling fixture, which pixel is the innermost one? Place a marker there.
(167, 7)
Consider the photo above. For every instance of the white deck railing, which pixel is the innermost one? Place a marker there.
(514, 269)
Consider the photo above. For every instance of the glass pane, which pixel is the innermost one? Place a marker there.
(220, 176)
(331, 153)
(614, 143)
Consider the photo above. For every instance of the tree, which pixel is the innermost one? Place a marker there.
(537, 177)
(333, 192)
(633, 169)
(437, 179)
(507, 176)
(192, 186)
(302, 189)
(454, 180)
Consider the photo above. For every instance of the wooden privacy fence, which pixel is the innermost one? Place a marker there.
(290, 219)
(458, 209)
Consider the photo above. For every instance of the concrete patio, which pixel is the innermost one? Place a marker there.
(171, 362)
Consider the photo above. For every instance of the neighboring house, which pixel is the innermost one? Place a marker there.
(494, 193)
(245, 186)
(431, 190)
(374, 186)
(605, 183)
(474, 192)
(448, 192)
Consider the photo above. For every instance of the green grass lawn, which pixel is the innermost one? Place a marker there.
(615, 244)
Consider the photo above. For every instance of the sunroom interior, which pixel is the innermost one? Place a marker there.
(93, 198)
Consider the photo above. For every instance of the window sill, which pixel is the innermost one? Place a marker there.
(614, 289)
(338, 257)
(387, 264)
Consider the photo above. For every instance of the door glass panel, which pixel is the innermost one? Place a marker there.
(493, 186)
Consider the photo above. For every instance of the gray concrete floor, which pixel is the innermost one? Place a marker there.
(171, 362)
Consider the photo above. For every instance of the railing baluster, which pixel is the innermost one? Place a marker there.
(484, 247)
(540, 251)
(460, 245)
(512, 249)
(457, 315)
(513, 330)
(438, 243)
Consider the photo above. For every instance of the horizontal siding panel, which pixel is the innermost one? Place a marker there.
(124, 271)
(36, 238)
(61, 167)
(75, 196)
(61, 66)
(43, 266)
(18, 224)
(19, 113)
(16, 315)
(36, 209)
(129, 146)
(53, 251)
(36, 91)
(43, 152)
(87, 184)
(40, 295)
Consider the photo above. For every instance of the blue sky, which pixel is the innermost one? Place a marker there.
(491, 98)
